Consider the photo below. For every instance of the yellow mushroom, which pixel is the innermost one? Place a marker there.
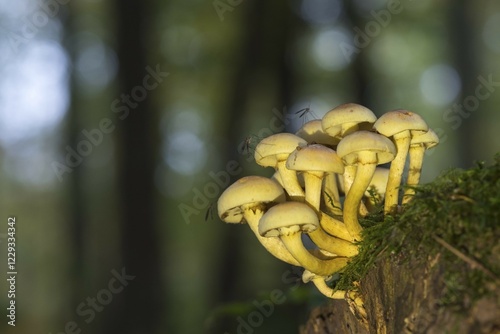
(401, 125)
(245, 201)
(418, 145)
(287, 221)
(366, 150)
(273, 151)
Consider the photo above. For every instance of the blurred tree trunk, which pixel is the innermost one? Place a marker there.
(462, 36)
(359, 66)
(263, 48)
(238, 87)
(77, 212)
(140, 309)
(262, 45)
(404, 299)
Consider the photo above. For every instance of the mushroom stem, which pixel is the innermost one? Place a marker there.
(363, 177)
(294, 245)
(332, 244)
(334, 227)
(272, 244)
(402, 141)
(313, 181)
(350, 172)
(331, 195)
(322, 287)
(415, 169)
(290, 182)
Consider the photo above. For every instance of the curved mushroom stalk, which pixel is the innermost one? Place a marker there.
(320, 283)
(333, 244)
(396, 173)
(365, 150)
(290, 182)
(353, 199)
(331, 196)
(418, 146)
(334, 227)
(287, 221)
(272, 244)
(294, 244)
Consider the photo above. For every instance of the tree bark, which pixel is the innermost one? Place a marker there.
(405, 298)
(141, 309)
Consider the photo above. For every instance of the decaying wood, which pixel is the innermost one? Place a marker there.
(406, 298)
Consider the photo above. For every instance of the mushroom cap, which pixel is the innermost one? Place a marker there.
(315, 158)
(276, 147)
(288, 218)
(346, 113)
(312, 132)
(428, 139)
(247, 191)
(397, 121)
(351, 148)
(379, 181)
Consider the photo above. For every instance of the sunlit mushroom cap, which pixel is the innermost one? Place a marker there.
(346, 113)
(428, 139)
(276, 147)
(396, 121)
(247, 191)
(351, 148)
(288, 218)
(315, 158)
(312, 132)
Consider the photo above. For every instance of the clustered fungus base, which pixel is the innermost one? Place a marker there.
(327, 176)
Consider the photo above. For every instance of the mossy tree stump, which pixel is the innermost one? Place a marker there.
(434, 268)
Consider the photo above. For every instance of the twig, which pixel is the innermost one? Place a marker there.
(473, 263)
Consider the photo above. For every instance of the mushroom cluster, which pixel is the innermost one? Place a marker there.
(327, 176)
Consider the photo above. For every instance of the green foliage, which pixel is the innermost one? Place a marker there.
(456, 216)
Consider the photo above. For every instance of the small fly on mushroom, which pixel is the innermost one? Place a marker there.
(247, 146)
(209, 214)
(304, 112)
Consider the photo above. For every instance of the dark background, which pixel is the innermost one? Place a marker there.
(108, 168)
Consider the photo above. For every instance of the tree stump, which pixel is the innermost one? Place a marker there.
(406, 298)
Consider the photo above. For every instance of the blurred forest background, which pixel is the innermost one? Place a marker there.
(118, 120)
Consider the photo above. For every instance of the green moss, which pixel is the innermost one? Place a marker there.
(458, 216)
